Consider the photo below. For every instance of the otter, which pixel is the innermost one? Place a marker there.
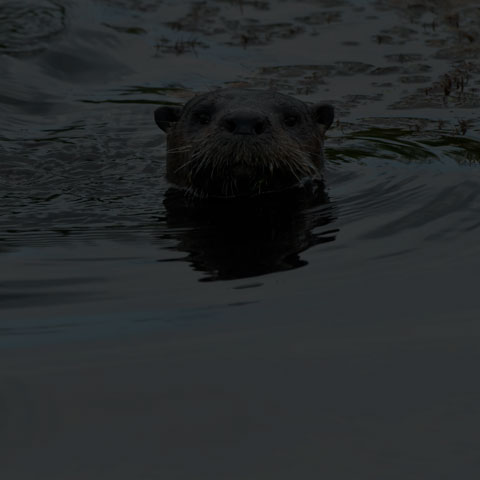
(236, 142)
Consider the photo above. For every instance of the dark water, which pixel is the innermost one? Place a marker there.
(143, 338)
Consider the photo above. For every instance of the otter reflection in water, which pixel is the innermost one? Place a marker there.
(238, 238)
(238, 142)
(251, 163)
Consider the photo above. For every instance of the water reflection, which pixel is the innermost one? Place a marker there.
(236, 238)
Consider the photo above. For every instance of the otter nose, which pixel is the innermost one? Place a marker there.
(244, 123)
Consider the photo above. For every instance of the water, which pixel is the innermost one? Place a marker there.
(143, 338)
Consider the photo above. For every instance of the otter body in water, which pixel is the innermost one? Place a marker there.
(233, 142)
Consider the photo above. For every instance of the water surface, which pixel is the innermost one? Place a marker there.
(141, 338)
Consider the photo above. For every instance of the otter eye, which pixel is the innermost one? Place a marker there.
(291, 120)
(203, 118)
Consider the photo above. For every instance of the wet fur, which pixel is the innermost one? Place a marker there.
(217, 163)
(213, 160)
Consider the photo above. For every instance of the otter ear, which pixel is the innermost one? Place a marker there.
(165, 116)
(323, 113)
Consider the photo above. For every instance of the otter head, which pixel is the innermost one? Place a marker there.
(233, 142)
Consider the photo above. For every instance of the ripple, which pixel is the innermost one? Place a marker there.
(459, 200)
(26, 28)
(405, 186)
